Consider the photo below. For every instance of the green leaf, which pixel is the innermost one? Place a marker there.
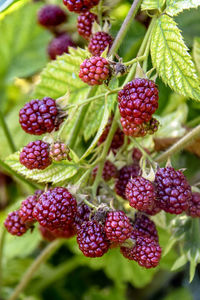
(152, 4)
(56, 172)
(180, 262)
(196, 53)
(176, 7)
(23, 43)
(171, 59)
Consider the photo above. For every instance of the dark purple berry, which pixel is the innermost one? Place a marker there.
(51, 15)
(14, 224)
(60, 45)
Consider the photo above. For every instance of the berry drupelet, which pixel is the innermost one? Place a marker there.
(40, 116)
(35, 155)
(55, 209)
(85, 22)
(60, 45)
(51, 15)
(79, 6)
(124, 176)
(117, 227)
(99, 42)
(14, 224)
(194, 206)
(94, 71)
(141, 193)
(173, 190)
(27, 206)
(92, 240)
(109, 171)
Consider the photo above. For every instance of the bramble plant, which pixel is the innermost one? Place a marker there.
(99, 138)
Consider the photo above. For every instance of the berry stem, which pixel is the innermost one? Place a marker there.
(194, 122)
(21, 178)
(145, 154)
(80, 119)
(104, 152)
(2, 240)
(133, 61)
(125, 26)
(7, 133)
(180, 145)
(49, 250)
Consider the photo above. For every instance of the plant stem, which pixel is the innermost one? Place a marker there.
(80, 119)
(21, 178)
(193, 122)
(140, 58)
(180, 145)
(105, 151)
(7, 133)
(125, 26)
(2, 240)
(143, 151)
(49, 250)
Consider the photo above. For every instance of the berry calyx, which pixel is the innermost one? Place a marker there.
(85, 22)
(40, 116)
(59, 151)
(173, 190)
(117, 227)
(60, 45)
(94, 71)
(92, 240)
(51, 15)
(55, 209)
(109, 171)
(99, 42)
(124, 175)
(194, 206)
(27, 206)
(79, 6)
(14, 224)
(141, 193)
(35, 155)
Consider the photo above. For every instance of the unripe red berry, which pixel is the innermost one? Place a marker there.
(14, 224)
(109, 171)
(27, 206)
(59, 151)
(194, 206)
(51, 15)
(85, 22)
(60, 45)
(99, 42)
(79, 6)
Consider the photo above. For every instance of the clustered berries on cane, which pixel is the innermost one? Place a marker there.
(79, 6)
(27, 206)
(173, 190)
(141, 193)
(109, 171)
(92, 240)
(138, 100)
(40, 116)
(85, 22)
(60, 45)
(117, 227)
(14, 224)
(51, 15)
(194, 206)
(55, 208)
(94, 71)
(99, 42)
(35, 155)
(124, 176)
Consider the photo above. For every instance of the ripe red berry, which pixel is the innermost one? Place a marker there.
(153, 210)
(131, 129)
(14, 224)
(82, 215)
(146, 252)
(118, 139)
(92, 240)
(55, 209)
(59, 151)
(145, 226)
(99, 42)
(40, 116)
(117, 227)
(109, 171)
(51, 15)
(173, 190)
(138, 100)
(27, 206)
(141, 193)
(46, 234)
(124, 175)
(94, 71)
(194, 206)
(85, 22)
(35, 155)
(60, 45)
(79, 6)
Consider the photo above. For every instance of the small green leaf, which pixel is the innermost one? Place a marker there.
(180, 262)
(176, 7)
(56, 172)
(152, 4)
(196, 53)
(171, 59)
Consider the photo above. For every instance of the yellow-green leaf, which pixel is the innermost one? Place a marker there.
(152, 4)
(176, 7)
